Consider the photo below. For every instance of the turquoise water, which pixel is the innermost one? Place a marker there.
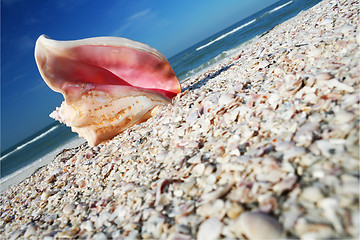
(185, 64)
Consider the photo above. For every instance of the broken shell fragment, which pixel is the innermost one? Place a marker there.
(109, 83)
(250, 223)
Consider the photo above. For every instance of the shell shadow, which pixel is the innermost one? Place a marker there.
(206, 78)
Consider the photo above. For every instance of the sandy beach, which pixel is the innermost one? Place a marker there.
(263, 145)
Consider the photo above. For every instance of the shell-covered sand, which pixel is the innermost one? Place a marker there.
(263, 145)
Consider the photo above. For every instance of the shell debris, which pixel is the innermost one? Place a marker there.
(264, 144)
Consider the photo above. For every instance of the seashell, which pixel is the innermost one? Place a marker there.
(192, 118)
(195, 159)
(330, 147)
(210, 229)
(88, 226)
(256, 225)
(234, 211)
(103, 217)
(267, 203)
(210, 102)
(212, 209)
(211, 179)
(185, 209)
(100, 236)
(218, 193)
(327, 21)
(330, 206)
(286, 184)
(69, 208)
(311, 98)
(178, 193)
(313, 231)
(198, 170)
(350, 184)
(274, 100)
(17, 234)
(179, 235)
(226, 98)
(312, 194)
(263, 64)
(346, 28)
(45, 195)
(343, 117)
(314, 52)
(323, 76)
(334, 83)
(294, 152)
(350, 99)
(355, 219)
(31, 230)
(108, 83)
(304, 134)
(258, 52)
(153, 227)
(292, 83)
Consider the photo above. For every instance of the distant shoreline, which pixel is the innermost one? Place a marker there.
(12, 148)
(25, 172)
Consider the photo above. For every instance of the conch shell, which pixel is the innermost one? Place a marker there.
(109, 83)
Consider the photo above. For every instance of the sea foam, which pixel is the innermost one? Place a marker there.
(242, 26)
(226, 34)
(29, 142)
(281, 6)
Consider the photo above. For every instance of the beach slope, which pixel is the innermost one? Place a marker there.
(263, 145)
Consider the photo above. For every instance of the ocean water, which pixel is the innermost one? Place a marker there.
(34, 148)
(187, 63)
(224, 43)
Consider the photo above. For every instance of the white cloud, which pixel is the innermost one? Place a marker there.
(120, 30)
(41, 84)
(14, 80)
(19, 95)
(140, 14)
(133, 21)
(26, 42)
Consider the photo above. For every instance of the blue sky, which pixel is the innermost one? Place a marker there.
(169, 26)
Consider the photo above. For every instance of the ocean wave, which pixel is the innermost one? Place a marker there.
(279, 7)
(226, 34)
(206, 65)
(29, 142)
(242, 26)
(223, 56)
(39, 162)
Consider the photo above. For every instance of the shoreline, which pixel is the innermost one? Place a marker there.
(25, 172)
(265, 140)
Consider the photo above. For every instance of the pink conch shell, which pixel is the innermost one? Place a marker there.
(108, 83)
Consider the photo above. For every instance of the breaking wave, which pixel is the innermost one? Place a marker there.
(223, 56)
(242, 26)
(279, 7)
(29, 142)
(226, 34)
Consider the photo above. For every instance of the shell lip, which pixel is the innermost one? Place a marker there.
(97, 41)
(104, 60)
